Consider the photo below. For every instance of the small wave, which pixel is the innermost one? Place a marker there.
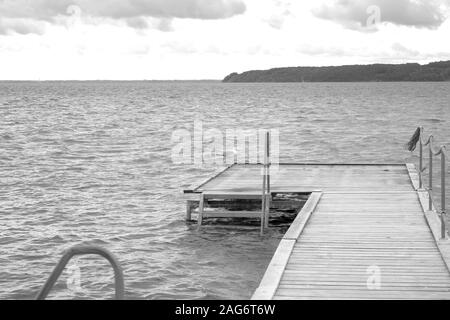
(6, 136)
(434, 120)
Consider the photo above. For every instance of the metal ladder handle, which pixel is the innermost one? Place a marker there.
(84, 250)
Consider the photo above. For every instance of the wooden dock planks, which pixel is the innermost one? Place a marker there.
(311, 177)
(335, 254)
(373, 243)
(365, 233)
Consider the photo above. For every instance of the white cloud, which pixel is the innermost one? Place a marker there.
(92, 47)
(21, 26)
(133, 11)
(354, 14)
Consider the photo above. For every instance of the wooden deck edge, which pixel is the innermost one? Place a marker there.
(194, 187)
(432, 217)
(434, 223)
(274, 272)
(413, 175)
(302, 218)
(273, 190)
(197, 185)
(312, 163)
(370, 192)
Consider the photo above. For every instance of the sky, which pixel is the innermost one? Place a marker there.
(209, 39)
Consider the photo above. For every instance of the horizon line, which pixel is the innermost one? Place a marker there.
(112, 80)
(199, 80)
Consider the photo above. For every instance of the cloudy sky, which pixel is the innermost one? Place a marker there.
(208, 39)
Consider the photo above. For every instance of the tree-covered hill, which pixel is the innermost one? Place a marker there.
(435, 71)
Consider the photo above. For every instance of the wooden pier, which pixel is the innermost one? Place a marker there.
(365, 232)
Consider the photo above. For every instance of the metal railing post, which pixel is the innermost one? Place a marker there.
(420, 161)
(443, 213)
(430, 178)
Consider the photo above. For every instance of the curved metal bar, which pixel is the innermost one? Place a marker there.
(441, 150)
(436, 152)
(429, 141)
(430, 137)
(83, 250)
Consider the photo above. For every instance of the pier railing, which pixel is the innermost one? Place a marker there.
(440, 152)
(84, 250)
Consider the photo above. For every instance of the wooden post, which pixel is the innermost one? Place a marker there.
(200, 211)
(188, 210)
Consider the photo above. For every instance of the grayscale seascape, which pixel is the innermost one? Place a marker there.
(89, 162)
(212, 158)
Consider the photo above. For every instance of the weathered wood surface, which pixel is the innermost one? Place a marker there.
(311, 177)
(366, 238)
(275, 271)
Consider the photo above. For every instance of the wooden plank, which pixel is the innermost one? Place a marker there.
(229, 227)
(197, 185)
(369, 248)
(345, 298)
(363, 271)
(336, 290)
(303, 216)
(382, 256)
(362, 285)
(318, 274)
(274, 272)
(324, 243)
(223, 195)
(231, 214)
(328, 252)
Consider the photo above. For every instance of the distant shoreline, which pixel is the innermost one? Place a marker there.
(409, 72)
(205, 80)
(210, 81)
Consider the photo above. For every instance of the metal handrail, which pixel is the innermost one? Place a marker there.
(432, 152)
(83, 250)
